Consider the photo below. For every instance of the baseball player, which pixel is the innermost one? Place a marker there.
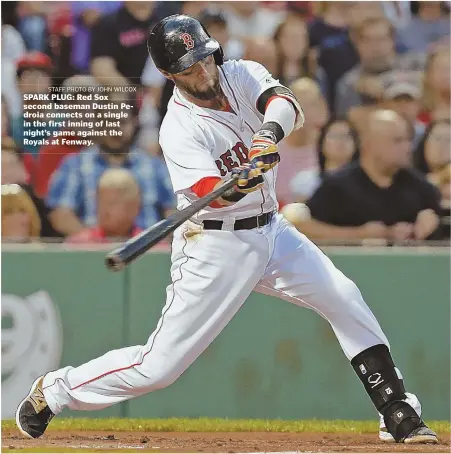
(225, 119)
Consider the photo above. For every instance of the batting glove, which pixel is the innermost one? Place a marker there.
(249, 178)
(264, 152)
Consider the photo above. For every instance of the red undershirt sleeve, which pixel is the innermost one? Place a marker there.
(204, 186)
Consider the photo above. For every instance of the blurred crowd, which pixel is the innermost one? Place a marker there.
(352, 65)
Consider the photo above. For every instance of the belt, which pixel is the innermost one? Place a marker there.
(242, 224)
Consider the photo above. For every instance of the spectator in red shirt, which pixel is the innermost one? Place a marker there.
(118, 205)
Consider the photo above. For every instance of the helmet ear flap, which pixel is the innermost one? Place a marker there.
(219, 54)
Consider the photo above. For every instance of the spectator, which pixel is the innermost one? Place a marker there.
(398, 13)
(374, 40)
(13, 48)
(13, 45)
(50, 156)
(85, 15)
(337, 54)
(380, 196)
(436, 88)
(263, 51)
(337, 146)
(33, 26)
(249, 19)
(216, 24)
(74, 184)
(20, 219)
(403, 96)
(293, 61)
(119, 44)
(13, 169)
(5, 118)
(34, 77)
(298, 150)
(332, 21)
(429, 26)
(432, 158)
(14, 172)
(118, 202)
(193, 8)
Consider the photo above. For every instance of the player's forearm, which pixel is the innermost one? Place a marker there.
(220, 201)
(321, 231)
(65, 221)
(280, 117)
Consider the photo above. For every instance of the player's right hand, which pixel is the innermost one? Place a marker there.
(249, 178)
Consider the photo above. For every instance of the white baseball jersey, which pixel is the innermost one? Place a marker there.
(198, 142)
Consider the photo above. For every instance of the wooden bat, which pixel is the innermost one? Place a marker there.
(128, 252)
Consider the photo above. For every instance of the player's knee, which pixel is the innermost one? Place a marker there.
(164, 380)
(158, 379)
(343, 290)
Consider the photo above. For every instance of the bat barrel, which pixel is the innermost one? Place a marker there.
(120, 257)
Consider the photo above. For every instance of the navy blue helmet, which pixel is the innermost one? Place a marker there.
(178, 42)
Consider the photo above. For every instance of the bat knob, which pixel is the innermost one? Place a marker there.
(114, 263)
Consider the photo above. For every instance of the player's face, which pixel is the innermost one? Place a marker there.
(201, 80)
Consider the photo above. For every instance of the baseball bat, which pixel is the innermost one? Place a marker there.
(129, 251)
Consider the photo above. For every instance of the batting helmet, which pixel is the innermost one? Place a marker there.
(178, 42)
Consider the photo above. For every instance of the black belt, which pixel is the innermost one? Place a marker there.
(242, 224)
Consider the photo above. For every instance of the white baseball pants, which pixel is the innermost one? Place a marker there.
(213, 272)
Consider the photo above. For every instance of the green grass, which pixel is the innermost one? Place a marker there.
(220, 425)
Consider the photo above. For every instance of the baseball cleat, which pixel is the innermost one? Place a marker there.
(421, 435)
(33, 414)
(385, 435)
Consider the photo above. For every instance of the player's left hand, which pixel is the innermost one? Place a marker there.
(264, 153)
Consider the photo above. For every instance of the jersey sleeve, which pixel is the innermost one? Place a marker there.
(255, 80)
(187, 154)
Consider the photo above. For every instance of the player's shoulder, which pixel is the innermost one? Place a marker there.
(178, 119)
(236, 67)
(180, 124)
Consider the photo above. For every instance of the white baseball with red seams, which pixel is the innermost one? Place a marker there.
(214, 271)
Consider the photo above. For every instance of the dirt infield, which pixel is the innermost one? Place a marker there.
(233, 442)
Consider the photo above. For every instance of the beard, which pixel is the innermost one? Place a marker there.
(209, 94)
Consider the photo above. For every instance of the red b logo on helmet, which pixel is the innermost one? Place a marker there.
(187, 40)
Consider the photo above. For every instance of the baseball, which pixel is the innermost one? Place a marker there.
(296, 212)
